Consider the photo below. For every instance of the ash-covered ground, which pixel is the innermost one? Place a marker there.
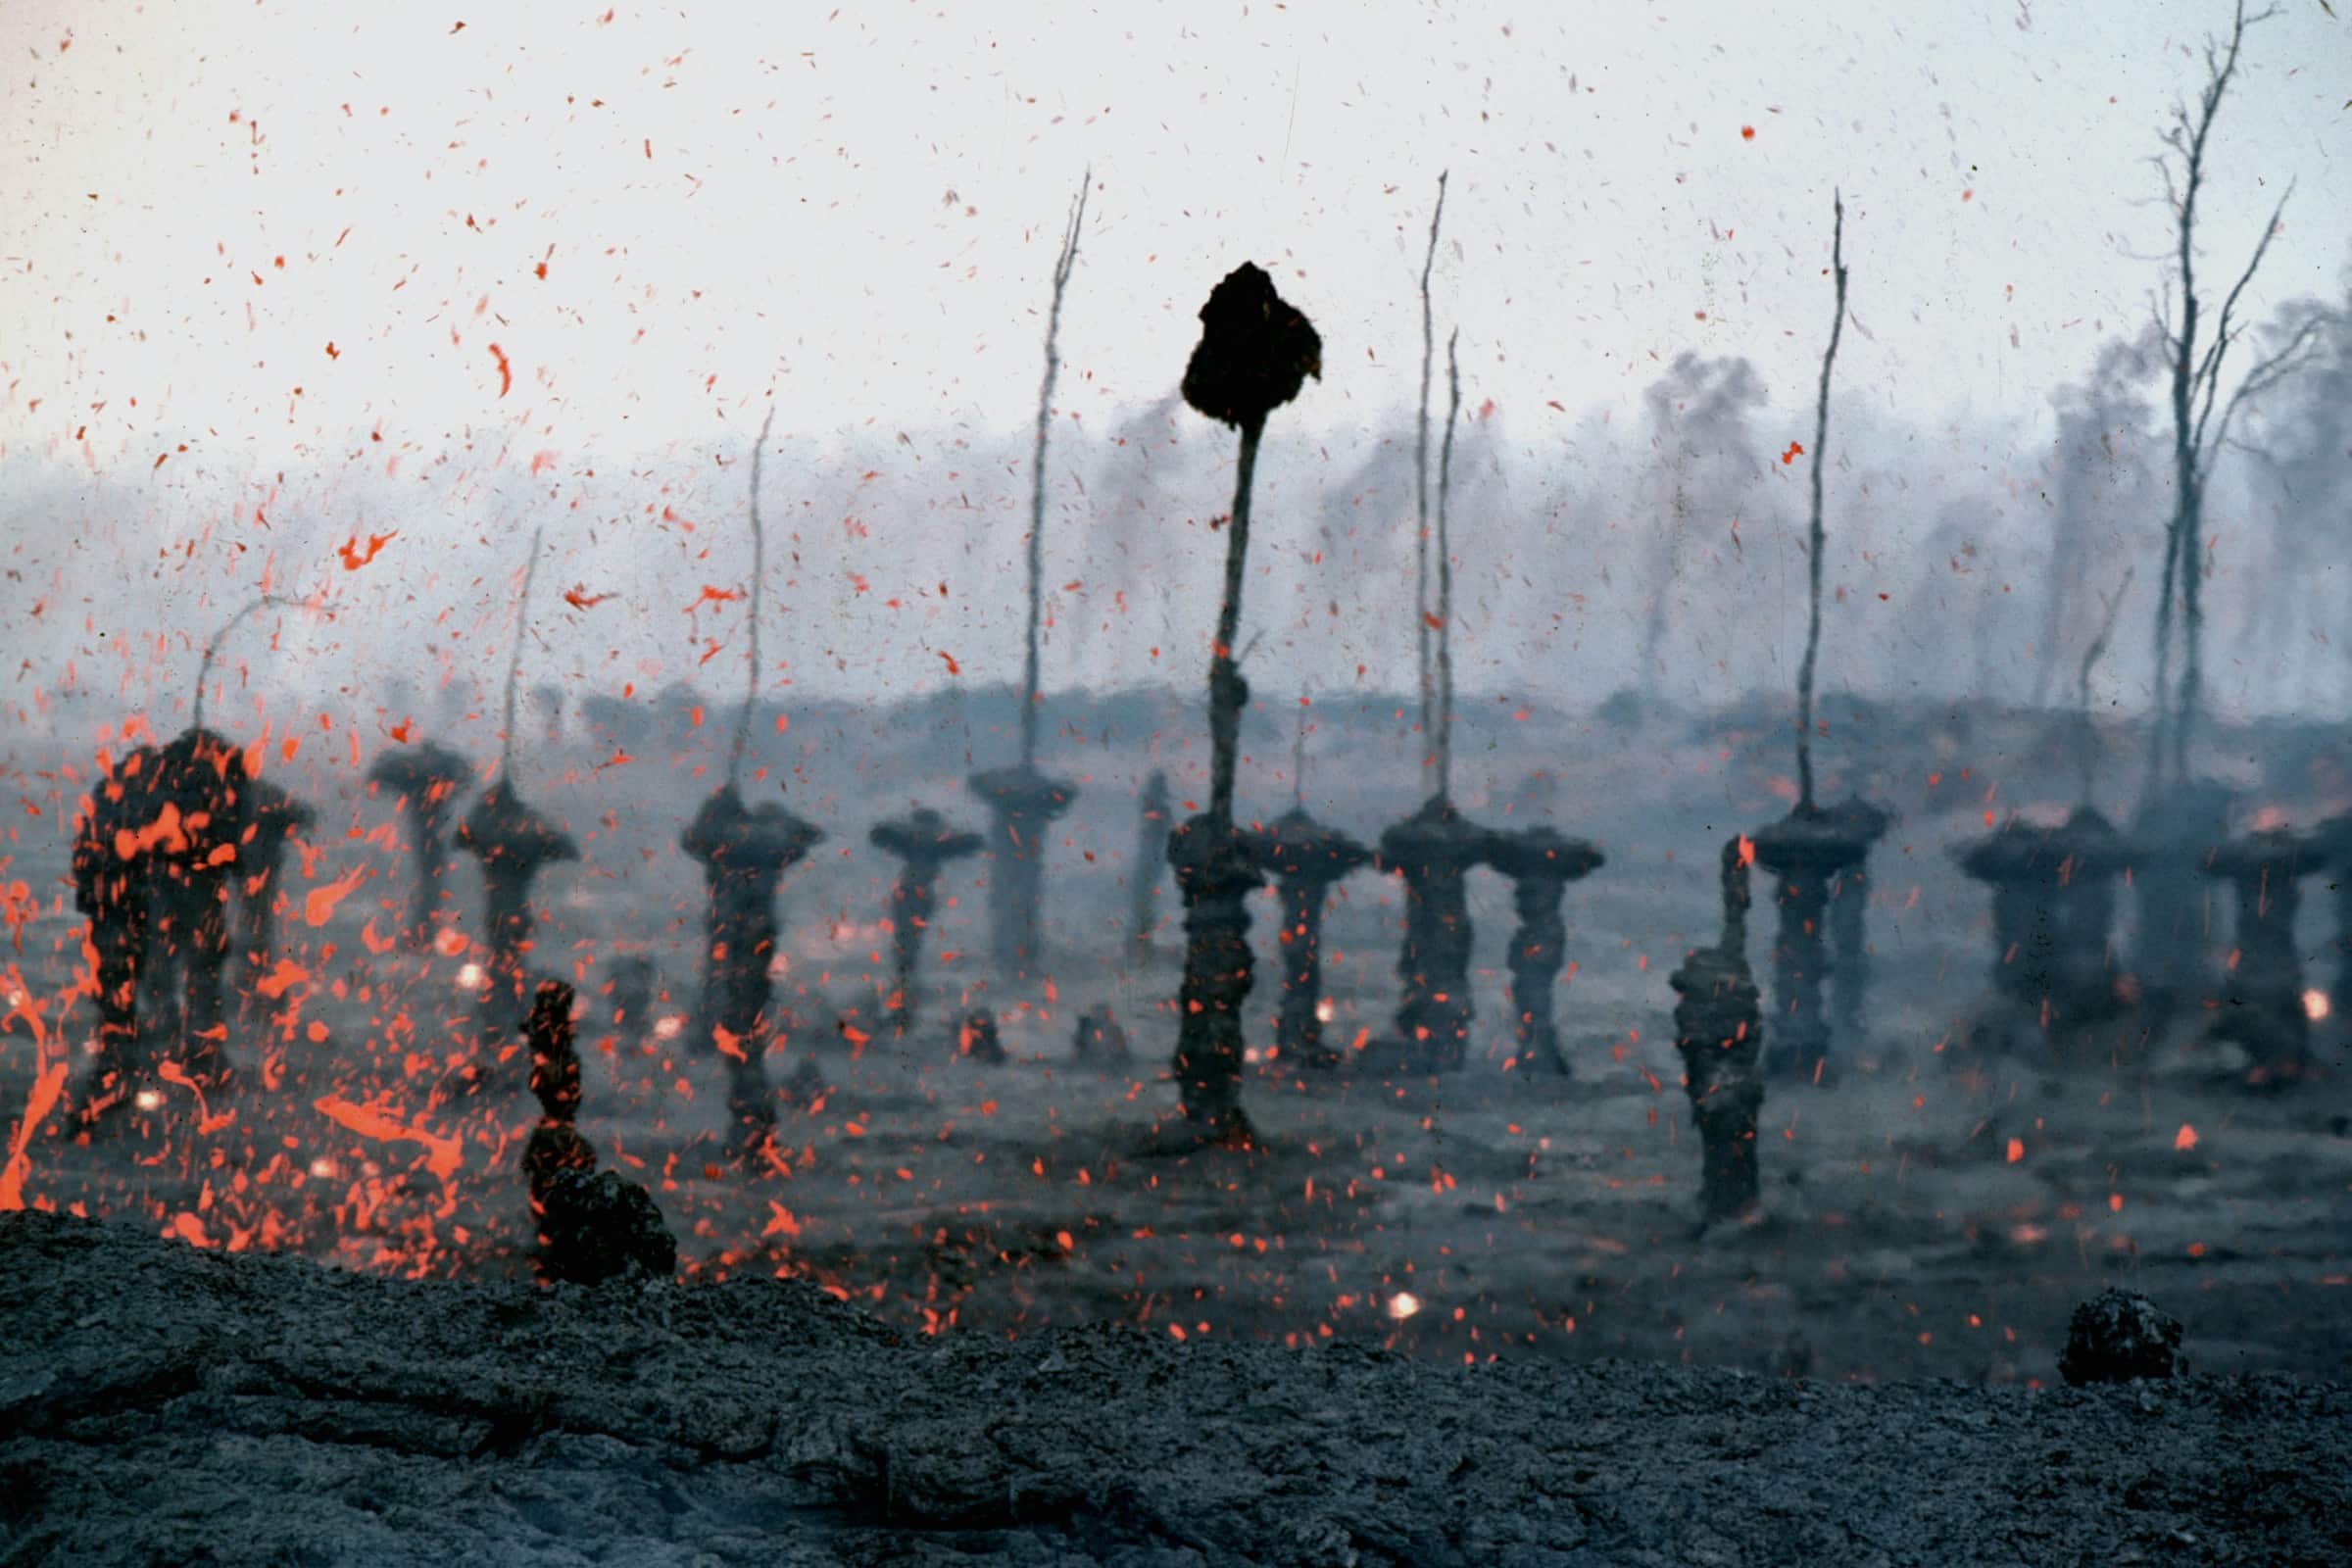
(1936, 1214)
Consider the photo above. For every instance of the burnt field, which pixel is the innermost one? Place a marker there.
(1935, 1212)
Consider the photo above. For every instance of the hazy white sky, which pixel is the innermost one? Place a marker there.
(856, 206)
(251, 236)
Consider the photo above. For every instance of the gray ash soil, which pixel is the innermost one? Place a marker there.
(164, 1404)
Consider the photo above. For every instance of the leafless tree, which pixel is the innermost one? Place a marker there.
(2197, 360)
(1814, 538)
(1421, 627)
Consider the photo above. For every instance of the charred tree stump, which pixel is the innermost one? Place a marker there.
(114, 872)
(276, 818)
(924, 843)
(1023, 804)
(1720, 1032)
(1217, 867)
(592, 1225)
(1434, 850)
(202, 783)
(1807, 851)
(2172, 947)
(423, 780)
(1541, 862)
(1306, 860)
(1154, 818)
(744, 855)
(2333, 843)
(514, 842)
(2262, 998)
(1849, 921)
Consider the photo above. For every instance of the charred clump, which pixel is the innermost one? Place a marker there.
(976, 1039)
(744, 855)
(2120, 1336)
(274, 819)
(1256, 352)
(514, 842)
(1153, 817)
(1808, 851)
(1101, 1039)
(201, 786)
(1541, 862)
(593, 1226)
(1434, 850)
(424, 779)
(2263, 1007)
(924, 843)
(1306, 860)
(113, 874)
(1719, 1030)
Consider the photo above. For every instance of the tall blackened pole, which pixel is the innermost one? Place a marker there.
(1256, 352)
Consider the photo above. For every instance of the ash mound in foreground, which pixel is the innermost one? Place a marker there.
(158, 1403)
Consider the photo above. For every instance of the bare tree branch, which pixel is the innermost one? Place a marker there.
(1063, 263)
(1821, 440)
(1421, 479)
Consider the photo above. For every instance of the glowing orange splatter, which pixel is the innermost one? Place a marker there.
(505, 372)
(275, 984)
(353, 557)
(2186, 1137)
(443, 1157)
(47, 1086)
(1796, 450)
(2017, 1150)
(319, 905)
(1747, 133)
(580, 597)
(954, 668)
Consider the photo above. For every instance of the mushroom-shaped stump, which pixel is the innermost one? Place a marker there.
(1849, 911)
(2331, 841)
(2172, 954)
(924, 842)
(2263, 1004)
(274, 817)
(1434, 850)
(744, 855)
(425, 780)
(513, 841)
(1305, 860)
(201, 781)
(1807, 852)
(1541, 861)
(1022, 803)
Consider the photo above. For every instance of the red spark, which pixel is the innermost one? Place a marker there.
(578, 596)
(505, 372)
(1747, 133)
(1796, 450)
(954, 668)
(353, 557)
(2186, 1137)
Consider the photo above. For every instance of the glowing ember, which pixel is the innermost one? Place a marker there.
(1252, 1056)
(323, 1168)
(449, 943)
(2187, 1138)
(148, 1099)
(1404, 1304)
(17, 999)
(668, 1028)
(2315, 1004)
(1324, 1010)
(470, 977)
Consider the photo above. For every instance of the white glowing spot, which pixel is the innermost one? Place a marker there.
(469, 976)
(2315, 1004)
(1404, 1304)
(1252, 1056)
(17, 998)
(780, 966)
(1324, 1010)
(323, 1168)
(148, 1099)
(668, 1028)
